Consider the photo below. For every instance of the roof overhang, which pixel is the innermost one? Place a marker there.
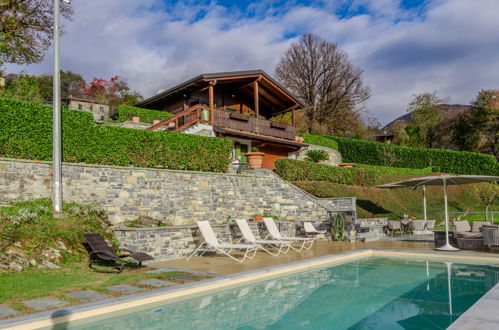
(270, 90)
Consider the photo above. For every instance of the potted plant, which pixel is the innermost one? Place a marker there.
(258, 217)
(255, 158)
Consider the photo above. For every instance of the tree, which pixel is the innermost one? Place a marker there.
(320, 74)
(486, 118)
(26, 29)
(487, 193)
(23, 87)
(70, 85)
(478, 130)
(426, 118)
(112, 92)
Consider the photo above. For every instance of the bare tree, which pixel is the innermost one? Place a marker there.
(319, 73)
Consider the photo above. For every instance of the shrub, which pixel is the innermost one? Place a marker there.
(316, 156)
(126, 112)
(397, 170)
(382, 154)
(296, 170)
(319, 141)
(26, 132)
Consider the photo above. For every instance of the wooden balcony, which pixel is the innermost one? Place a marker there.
(244, 123)
(228, 120)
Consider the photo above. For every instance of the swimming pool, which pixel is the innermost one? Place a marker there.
(369, 293)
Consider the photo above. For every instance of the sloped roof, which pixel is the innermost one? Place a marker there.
(215, 75)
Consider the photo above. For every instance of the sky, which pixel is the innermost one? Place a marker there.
(404, 47)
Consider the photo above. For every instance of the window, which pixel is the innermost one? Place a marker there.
(91, 108)
(80, 107)
(101, 117)
(101, 108)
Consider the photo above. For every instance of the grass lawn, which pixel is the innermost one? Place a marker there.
(29, 284)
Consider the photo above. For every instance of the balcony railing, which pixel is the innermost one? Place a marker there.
(240, 122)
(226, 119)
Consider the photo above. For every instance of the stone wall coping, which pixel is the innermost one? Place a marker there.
(121, 228)
(371, 219)
(128, 168)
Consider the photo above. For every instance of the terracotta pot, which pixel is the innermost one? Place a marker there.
(135, 119)
(258, 217)
(255, 159)
(299, 139)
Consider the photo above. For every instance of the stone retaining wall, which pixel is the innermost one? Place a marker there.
(174, 197)
(177, 198)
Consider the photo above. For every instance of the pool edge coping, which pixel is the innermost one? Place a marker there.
(95, 309)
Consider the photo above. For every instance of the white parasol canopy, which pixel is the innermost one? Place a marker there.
(441, 180)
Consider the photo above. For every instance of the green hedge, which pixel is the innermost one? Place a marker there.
(126, 112)
(26, 132)
(397, 170)
(319, 140)
(297, 170)
(375, 153)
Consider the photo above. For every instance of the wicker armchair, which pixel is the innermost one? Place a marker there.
(430, 225)
(394, 225)
(490, 235)
(417, 227)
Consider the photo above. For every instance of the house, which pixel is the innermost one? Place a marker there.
(385, 137)
(239, 105)
(99, 110)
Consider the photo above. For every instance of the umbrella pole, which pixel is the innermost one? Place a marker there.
(447, 246)
(424, 202)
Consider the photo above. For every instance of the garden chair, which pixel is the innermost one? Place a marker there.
(490, 235)
(310, 229)
(418, 227)
(250, 238)
(393, 226)
(211, 243)
(306, 243)
(101, 251)
(430, 225)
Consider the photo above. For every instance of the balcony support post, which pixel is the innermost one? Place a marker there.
(211, 101)
(293, 117)
(255, 98)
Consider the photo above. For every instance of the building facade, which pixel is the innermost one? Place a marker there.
(99, 110)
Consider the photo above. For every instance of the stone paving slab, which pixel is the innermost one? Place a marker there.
(155, 283)
(123, 288)
(183, 277)
(87, 295)
(44, 303)
(5, 311)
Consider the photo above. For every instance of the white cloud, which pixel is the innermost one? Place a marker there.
(451, 48)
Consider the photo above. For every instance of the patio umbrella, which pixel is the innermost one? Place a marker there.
(444, 180)
(395, 185)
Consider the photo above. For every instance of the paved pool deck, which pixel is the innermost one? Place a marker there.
(222, 265)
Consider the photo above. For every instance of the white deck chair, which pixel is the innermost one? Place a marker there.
(306, 243)
(250, 238)
(211, 243)
(310, 229)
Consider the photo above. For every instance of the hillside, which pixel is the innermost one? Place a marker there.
(393, 203)
(450, 112)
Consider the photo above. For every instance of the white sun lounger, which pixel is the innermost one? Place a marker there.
(310, 229)
(211, 243)
(306, 243)
(250, 238)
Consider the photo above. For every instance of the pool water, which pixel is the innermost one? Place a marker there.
(373, 293)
